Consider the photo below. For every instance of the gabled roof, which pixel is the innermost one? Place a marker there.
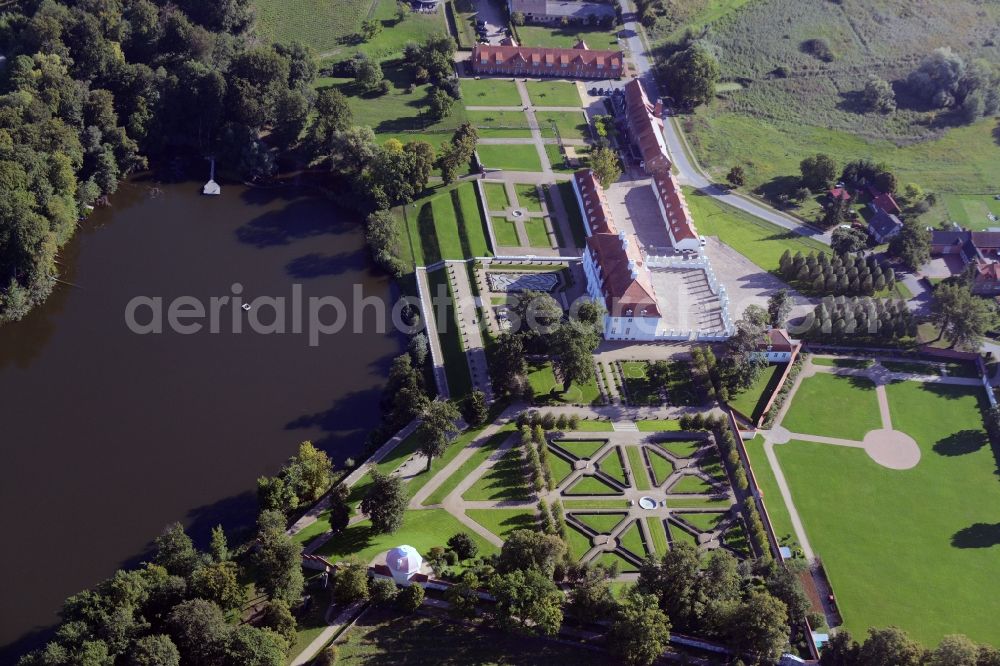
(986, 240)
(987, 270)
(883, 201)
(645, 129)
(596, 211)
(779, 340)
(625, 283)
(680, 225)
(501, 54)
(839, 193)
(884, 224)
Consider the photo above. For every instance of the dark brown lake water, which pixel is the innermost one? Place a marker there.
(106, 436)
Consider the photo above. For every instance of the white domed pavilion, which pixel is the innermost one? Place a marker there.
(403, 561)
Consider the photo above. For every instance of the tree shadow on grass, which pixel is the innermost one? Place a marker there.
(961, 443)
(980, 535)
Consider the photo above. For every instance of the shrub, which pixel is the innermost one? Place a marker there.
(561, 422)
(383, 591)
(574, 422)
(548, 421)
(451, 557)
(463, 546)
(410, 598)
(818, 48)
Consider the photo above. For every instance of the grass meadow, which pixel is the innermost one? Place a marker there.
(768, 119)
(834, 406)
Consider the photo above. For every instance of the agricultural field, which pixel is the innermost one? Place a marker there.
(913, 548)
(781, 103)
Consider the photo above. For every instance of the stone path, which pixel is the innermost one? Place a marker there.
(334, 626)
(430, 321)
(469, 327)
(536, 133)
(888, 447)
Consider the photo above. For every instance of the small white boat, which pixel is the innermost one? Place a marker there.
(212, 187)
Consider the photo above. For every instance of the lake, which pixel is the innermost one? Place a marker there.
(108, 435)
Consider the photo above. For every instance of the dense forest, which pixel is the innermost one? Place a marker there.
(93, 90)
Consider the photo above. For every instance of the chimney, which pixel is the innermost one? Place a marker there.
(624, 239)
(633, 271)
(658, 108)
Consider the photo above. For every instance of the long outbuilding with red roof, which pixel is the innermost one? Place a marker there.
(576, 63)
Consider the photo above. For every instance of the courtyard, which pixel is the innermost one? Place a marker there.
(893, 484)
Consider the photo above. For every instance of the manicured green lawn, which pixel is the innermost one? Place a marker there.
(639, 389)
(474, 461)
(504, 521)
(609, 559)
(662, 468)
(602, 523)
(691, 485)
(658, 425)
(505, 481)
(573, 504)
(842, 362)
(561, 468)
(528, 198)
(590, 485)
(510, 158)
(570, 125)
(697, 503)
(777, 510)
(490, 92)
(422, 529)
(578, 542)
(611, 464)
(913, 548)
(631, 540)
(496, 196)
(751, 401)
(459, 224)
(500, 124)
(594, 426)
(581, 448)
(550, 392)
(659, 534)
(703, 522)
(678, 535)
(383, 638)
(567, 37)
(639, 476)
(455, 364)
(834, 406)
(446, 225)
(572, 207)
(558, 161)
(505, 232)
(538, 236)
(553, 93)
(682, 448)
(761, 242)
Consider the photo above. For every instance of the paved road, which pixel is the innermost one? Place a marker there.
(688, 172)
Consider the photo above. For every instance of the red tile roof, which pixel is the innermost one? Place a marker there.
(645, 129)
(884, 201)
(596, 63)
(597, 213)
(627, 288)
(839, 193)
(778, 340)
(679, 222)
